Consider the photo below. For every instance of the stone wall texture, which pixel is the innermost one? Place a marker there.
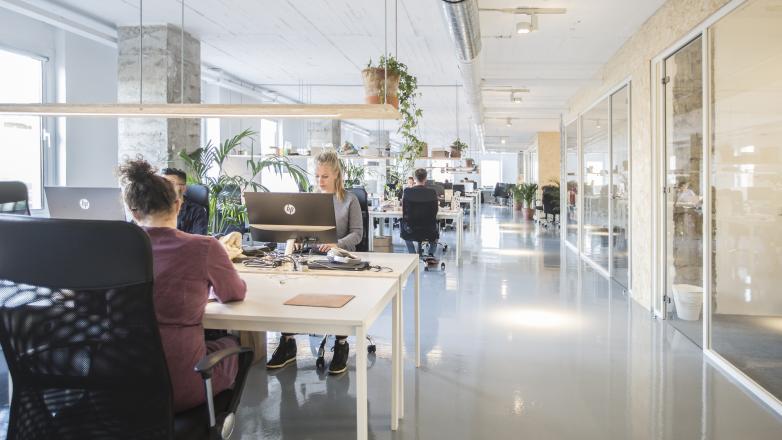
(158, 140)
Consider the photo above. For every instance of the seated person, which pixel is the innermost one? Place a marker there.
(192, 218)
(350, 230)
(186, 267)
(419, 214)
(410, 182)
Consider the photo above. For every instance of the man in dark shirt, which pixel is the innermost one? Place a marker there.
(419, 214)
(192, 217)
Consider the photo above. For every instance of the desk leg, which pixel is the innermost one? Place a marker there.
(459, 236)
(371, 234)
(362, 425)
(417, 315)
(382, 226)
(395, 370)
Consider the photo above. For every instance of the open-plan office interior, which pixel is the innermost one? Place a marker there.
(390, 219)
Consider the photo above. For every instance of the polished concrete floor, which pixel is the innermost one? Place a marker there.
(523, 341)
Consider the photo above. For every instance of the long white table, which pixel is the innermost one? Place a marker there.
(401, 266)
(457, 216)
(470, 201)
(263, 310)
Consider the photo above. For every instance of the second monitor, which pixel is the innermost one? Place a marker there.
(291, 218)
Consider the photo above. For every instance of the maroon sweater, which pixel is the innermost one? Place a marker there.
(186, 268)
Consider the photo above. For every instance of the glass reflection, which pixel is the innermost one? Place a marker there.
(594, 141)
(620, 181)
(684, 216)
(571, 171)
(747, 186)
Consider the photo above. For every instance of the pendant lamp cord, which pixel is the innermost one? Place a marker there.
(182, 58)
(140, 52)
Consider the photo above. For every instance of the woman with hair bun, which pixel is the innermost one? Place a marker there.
(187, 268)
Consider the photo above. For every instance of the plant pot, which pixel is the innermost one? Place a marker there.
(528, 213)
(374, 78)
(688, 300)
(456, 153)
(425, 150)
(469, 163)
(517, 205)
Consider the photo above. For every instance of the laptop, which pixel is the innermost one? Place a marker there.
(85, 203)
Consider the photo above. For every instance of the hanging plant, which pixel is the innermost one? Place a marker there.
(457, 147)
(407, 93)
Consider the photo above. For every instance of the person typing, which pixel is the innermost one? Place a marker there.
(186, 268)
(350, 230)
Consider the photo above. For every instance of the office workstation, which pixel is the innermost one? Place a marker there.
(390, 219)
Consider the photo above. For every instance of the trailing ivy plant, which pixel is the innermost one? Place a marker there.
(408, 108)
(226, 210)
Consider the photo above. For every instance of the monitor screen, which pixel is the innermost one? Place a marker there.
(279, 217)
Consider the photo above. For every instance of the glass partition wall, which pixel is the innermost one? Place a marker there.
(572, 179)
(595, 148)
(597, 194)
(746, 185)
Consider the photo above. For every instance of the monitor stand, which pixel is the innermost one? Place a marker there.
(290, 246)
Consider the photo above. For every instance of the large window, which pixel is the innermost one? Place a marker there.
(21, 81)
(491, 173)
(270, 138)
(571, 176)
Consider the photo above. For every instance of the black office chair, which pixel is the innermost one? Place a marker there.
(419, 224)
(198, 194)
(79, 334)
(550, 204)
(361, 195)
(13, 198)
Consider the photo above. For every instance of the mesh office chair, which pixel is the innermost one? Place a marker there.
(198, 194)
(361, 195)
(419, 223)
(13, 198)
(79, 334)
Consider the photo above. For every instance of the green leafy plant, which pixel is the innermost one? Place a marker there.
(225, 191)
(459, 145)
(408, 108)
(525, 192)
(354, 174)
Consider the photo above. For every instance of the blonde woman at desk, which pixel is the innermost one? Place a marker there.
(350, 230)
(186, 268)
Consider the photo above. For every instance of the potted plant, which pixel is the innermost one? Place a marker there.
(381, 82)
(226, 210)
(406, 94)
(525, 193)
(354, 174)
(457, 147)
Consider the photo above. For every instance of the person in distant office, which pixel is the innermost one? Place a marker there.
(192, 217)
(186, 268)
(350, 230)
(420, 193)
(410, 182)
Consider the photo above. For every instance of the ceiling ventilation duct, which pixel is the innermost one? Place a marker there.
(463, 23)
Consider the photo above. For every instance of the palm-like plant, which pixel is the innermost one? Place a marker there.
(525, 192)
(225, 191)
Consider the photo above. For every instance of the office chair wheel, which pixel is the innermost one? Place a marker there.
(320, 364)
(426, 268)
(442, 266)
(445, 248)
(371, 348)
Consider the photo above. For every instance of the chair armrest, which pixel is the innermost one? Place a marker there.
(205, 366)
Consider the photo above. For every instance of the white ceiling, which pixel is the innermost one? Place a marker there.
(325, 44)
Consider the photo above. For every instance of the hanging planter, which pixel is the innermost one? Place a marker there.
(456, 148)
(374, 81)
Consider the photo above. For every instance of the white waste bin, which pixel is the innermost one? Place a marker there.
(688, 300)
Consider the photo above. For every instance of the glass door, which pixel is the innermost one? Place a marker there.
(595, 146)
(620, 185)
(683, 118)
(572, 179)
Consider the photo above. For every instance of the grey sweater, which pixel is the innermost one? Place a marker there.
(350, 228)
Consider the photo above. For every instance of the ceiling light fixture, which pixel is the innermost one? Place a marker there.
(502, 141)
(525, 27)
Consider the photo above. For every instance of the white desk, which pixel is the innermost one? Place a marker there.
(477, 196)
(263, 310)
(457, 216)
(470, 201)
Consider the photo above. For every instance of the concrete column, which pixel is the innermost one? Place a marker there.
(158, 140)
(548, 157)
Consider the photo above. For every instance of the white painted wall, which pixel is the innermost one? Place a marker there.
(79, 71)
(90, 143)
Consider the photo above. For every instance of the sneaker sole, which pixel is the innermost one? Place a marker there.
(338, 371)
(275, 367)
